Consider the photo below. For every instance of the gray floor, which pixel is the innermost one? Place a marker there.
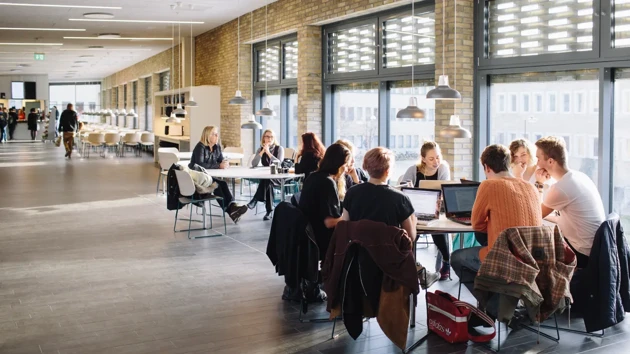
(89, 264)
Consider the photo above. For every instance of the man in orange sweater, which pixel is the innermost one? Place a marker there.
(503, 201)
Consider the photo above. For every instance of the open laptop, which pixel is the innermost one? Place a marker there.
(458, 201)
(425, 202)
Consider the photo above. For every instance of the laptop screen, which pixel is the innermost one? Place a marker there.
(459, 198)
(424, 201)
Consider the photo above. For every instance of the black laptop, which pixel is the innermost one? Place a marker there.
(458, 201)
(425, 202)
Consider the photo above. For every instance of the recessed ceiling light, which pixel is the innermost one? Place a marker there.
(34, 44)
(23, 65)
(86, 56)
(95, 47)
(55, 5)
(42, 29)
(98, 15)
(80, 62)
(105, 35)
(122, 38)
(15, 70)
(136, 21)
(100, 48)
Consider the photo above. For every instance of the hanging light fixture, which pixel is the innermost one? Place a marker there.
(266, 111)
(238, 98)
(443, 91)
(173, 119)
(251, 123)
(179, 109)
(454, 128)
(412, 110)
(191, 99)
(132, 113)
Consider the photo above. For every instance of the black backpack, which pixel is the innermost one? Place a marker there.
(3, 122)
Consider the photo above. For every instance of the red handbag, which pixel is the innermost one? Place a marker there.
(448, 318)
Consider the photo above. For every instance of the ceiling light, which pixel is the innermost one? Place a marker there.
(412, 111)
(136, 21)
(80, 62)
(455, 130)
(54, 5)
(95, 47)
(42, 29)
(98, 15)
(86, 56)
(266, 111)
(101, 48)
(238, 97)
(105, 35)
(251, 123)
(111, 36)
(33, 44)
(443, 91)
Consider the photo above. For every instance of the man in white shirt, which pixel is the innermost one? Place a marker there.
(574, 197)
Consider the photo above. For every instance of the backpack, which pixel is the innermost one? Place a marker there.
(3, 121)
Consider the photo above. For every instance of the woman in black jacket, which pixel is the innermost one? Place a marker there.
(268, 153)
(312, 152)
(207, 154)
(32, 123)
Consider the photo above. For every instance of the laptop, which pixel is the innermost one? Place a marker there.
(425, 202)
(434, 184)
(458, 201)
(469, 181)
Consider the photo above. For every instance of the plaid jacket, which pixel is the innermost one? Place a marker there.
(533, 264)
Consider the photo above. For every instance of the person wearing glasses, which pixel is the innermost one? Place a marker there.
(269, 152)
(207, 154)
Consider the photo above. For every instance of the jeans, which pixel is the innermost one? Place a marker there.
(3, 134)
(469, 258)
(441, 242)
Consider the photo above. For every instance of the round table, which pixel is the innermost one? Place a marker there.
(227, 155)
(252, 173)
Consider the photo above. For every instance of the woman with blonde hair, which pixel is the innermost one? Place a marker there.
(523, 160)
(323, 192)
(269, 152)
(432, 167)
(207, 154)
(355, 175)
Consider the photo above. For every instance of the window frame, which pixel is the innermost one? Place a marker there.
(281, 82)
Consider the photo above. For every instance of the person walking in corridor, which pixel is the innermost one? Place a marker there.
(68, 124)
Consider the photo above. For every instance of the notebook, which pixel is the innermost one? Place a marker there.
(458, 201)
(426, 204)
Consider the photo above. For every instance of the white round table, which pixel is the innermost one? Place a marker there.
(227, 155)
(253, 173)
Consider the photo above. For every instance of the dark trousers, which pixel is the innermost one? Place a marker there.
(441, 242)
(11, 130)
(223, 191)
(33, 134)
(265, 193)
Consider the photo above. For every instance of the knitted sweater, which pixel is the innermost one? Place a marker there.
(503, 203)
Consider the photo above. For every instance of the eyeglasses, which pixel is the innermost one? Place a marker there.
(268, 136)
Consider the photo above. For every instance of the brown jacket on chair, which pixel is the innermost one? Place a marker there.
(390, 249)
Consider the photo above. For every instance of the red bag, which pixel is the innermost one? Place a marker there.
(448, 318)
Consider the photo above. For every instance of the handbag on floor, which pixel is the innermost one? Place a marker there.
(58, 141)
(449, 318)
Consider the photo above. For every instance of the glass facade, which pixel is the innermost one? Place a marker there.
(352, 49)
(400, 42)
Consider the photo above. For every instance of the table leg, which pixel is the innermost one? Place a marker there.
(282, 189)
(234, 187)
(413, 308)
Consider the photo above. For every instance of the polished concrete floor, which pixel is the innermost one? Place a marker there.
(89, 264)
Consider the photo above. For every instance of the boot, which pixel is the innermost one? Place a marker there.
(445, 271)
(252, 203)
(267, 216)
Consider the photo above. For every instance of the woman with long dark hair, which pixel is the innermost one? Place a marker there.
(310, 155)
(323, 192)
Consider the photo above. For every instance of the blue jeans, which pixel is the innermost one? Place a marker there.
(469, 258)
(3, 134)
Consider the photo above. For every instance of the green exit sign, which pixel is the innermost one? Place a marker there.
(39, 56)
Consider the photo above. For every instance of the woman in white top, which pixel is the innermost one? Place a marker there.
(523, 160)
(432, 167)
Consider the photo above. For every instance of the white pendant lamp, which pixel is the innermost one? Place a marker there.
(191, 100)
(454, 130)
(238, 99)
(173, 119)
(266, 111)
(412, 111)
(132, 113)
(122, 113)
(443, 91)
(251, 123)
(180, 110)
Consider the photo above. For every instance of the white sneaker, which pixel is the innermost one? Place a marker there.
(426, 277)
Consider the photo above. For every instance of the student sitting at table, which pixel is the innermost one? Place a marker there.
(207, 154)
(574, 196)
(310, 155)
(355, 175)
(502, 202)
(524, 162)
(323, 192)
(268, 153)
(432, 167)
(377, 201)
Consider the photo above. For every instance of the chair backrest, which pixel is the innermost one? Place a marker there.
(112, 138)
(250, 159)
(147, 137)
(96, 138)
(238, 150)
(168, 149)
(185, 182)
(289, 153)
(167, 159)
(131, 138)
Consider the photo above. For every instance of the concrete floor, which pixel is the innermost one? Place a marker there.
(89, 263)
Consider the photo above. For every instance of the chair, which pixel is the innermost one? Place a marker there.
(94, 140)
(187, 197)
(236, 150)
(166, 158)
(112, 140)
(289, 153)
(130, 140)
(147, 140)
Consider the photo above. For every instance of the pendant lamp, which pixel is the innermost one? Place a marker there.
(238, 98)
(443, 91)
(266, 111)
(412, 111)
(191, 99)
(179, 110)
(132, 113)
(173, 119)
(454, 128)
(251, 123)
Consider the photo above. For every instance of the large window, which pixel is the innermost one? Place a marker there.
(621, 146)
(293, 119)
(414, 131)
(621, 24)
(578, 130)
(165, 80)
(352, 49)
(83, 95)
(290, 67)
(269, 63)
(148, 119)
(399, 40)
(273, 123)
